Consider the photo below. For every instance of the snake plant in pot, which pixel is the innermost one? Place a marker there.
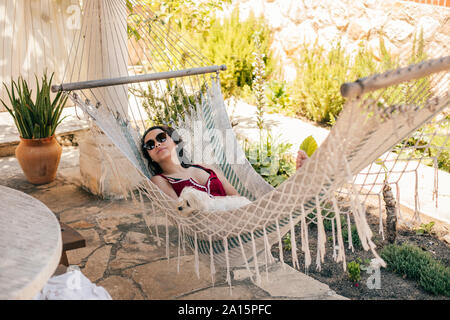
(36, 120)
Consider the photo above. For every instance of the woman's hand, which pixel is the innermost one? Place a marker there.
(301, 158)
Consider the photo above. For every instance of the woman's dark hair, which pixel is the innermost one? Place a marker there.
(172, 133)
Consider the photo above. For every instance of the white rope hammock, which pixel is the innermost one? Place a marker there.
(175, 80)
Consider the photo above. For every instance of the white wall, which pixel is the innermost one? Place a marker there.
(35, 35)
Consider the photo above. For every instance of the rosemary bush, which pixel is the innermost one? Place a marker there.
(405, 260)
(416, 264)
(316, 90)
(167, 105)
(36, 118)
(320, 76)
(231, 42)
(435, 278)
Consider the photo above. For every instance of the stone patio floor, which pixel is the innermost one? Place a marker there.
(122, 253)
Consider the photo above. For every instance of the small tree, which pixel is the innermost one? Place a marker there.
(186, 15)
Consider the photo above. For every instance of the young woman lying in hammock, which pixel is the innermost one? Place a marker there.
(171, 176)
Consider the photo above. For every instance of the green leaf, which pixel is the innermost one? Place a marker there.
(309, 145)
(36, 132)
(34, 118)
(129, 5)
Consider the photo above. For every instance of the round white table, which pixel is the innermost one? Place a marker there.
(30, 244)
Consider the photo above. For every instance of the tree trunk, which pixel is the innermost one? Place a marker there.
(391, 217)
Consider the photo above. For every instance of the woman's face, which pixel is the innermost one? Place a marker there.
(162, 150)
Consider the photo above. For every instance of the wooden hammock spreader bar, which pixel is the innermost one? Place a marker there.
(393, 77)
(137, 78)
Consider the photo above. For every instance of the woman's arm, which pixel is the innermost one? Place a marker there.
(229, 189)
(164, 185)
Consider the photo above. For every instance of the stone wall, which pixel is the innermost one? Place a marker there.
(295, 22)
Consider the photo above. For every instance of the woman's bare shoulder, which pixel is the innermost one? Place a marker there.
(204, 166)
(164, 185)
(158, 179)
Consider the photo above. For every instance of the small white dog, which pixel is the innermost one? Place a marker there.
(192, 199)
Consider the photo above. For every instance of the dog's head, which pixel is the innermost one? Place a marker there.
(191, 200)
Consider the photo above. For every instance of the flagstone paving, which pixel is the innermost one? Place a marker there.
(122, 253)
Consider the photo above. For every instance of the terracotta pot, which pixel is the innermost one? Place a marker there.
(39, 159)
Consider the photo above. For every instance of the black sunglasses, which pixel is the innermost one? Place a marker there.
(151, 144)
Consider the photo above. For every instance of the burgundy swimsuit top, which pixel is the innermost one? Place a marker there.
(213, 186)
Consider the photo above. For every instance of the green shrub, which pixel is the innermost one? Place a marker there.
(354, 271)
(344, 229)
(228, 41)
(435, 278)
(231, 43)
(279, 98)
(425, 228)
(287, 241)
(327, 224)
(427, 143)
(182, 15)
(270, 159)
(355, 237)
(416, 264)
(320, 74)
(405, 260)
(444, 158)
(164, 106)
